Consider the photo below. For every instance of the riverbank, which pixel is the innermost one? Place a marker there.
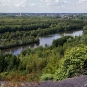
(42, 41)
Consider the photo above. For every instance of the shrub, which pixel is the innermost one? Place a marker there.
(46, 77)
(2, 75)
(73, 64)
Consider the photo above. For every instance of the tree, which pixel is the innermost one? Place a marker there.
(11, 62)
(74, 63)
(1, 62)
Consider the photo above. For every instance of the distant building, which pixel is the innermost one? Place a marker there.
(19, 15)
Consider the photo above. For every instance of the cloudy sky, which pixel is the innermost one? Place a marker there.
(44, 6)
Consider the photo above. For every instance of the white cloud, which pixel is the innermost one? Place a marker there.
(33, 4)
(54, 2)
(14, 3)
(82, 1)
(43, 6)
(45, 0)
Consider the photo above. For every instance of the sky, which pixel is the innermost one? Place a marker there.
(43, 6)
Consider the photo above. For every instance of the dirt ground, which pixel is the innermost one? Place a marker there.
(70, 82)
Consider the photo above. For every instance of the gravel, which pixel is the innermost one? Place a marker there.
(70, 82)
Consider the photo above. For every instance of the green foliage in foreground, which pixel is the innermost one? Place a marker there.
(55, 62)
(46, 77)
(73, 64)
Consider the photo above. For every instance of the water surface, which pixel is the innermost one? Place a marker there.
(43, 40)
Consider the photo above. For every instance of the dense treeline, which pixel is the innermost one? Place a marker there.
(12, 40)
(16, 31)
(65, 58)
(13, 24)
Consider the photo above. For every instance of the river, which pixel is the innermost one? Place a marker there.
(43, 40)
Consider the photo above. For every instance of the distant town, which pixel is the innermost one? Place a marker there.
(57, 15)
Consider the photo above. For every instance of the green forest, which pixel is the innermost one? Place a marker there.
(17, 31)
(65, 58)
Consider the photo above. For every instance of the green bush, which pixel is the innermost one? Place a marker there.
(46, 77)
(73, 64)
(60, 74)
(2, 75)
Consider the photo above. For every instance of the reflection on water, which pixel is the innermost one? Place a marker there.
(74, 33)
(43, 40)
(17, 50)
(48, 40)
